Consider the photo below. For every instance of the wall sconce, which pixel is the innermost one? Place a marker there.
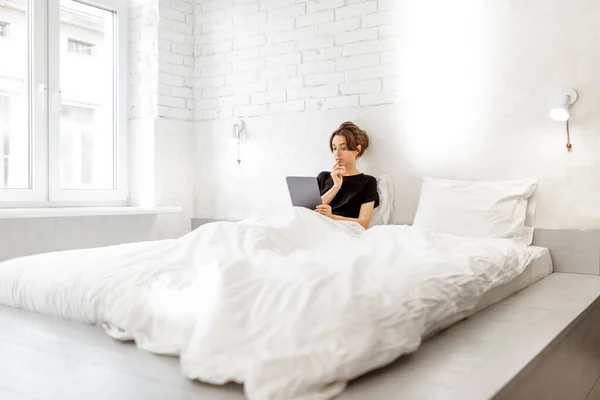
(238, 129)
(562, 112)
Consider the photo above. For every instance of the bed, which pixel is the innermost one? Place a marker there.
(539, 268)
(295, 305)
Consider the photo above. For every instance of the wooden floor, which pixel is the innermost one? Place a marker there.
(51, 359)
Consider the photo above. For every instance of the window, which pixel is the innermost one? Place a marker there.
(4, 29)
(79, 47)
(63, 139)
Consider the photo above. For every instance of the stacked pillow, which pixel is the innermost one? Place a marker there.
(383, 214)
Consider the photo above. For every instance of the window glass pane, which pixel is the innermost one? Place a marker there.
(66, 160)
(15, 139)
(87, 157)
(87, 123)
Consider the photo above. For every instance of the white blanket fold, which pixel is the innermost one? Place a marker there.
(293, 306)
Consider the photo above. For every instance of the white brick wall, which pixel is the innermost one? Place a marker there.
(162, 64)
(207, 59)
(144, 64)
(176, 59)
(255, 57)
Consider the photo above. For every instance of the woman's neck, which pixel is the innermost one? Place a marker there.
(352, 170)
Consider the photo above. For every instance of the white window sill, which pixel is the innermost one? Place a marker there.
(52, 212)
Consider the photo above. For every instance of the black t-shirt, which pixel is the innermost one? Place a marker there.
(355, 191)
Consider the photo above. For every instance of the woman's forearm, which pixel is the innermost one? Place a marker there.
(329, 196)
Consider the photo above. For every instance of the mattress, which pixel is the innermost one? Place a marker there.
(539, 268)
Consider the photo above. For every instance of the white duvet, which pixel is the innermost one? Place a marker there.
(292, 306)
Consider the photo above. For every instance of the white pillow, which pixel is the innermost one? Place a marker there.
(477, 208)
(382, 214)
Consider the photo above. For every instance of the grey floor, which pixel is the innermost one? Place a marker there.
(46, 358)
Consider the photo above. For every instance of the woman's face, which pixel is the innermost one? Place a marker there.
(341, 153)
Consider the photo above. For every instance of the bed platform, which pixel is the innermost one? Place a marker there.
(542, 342)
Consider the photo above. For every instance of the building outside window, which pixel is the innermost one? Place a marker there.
(4, 29)
(79, 47)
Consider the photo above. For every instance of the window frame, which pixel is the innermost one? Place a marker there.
(37, 193)
(4, 155)
(45, 103)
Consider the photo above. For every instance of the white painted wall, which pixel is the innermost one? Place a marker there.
(470, 92)
(22, 237)
(162, 104)
(279, 145)
(174, 175)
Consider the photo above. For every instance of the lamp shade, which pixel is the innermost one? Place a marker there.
(560, 113)
(238, 129)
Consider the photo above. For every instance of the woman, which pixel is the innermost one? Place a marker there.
(347, 194)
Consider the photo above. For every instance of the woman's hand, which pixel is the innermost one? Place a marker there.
(338, 175)
(324, 209)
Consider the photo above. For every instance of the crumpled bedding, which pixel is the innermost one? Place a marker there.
(293, 306)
